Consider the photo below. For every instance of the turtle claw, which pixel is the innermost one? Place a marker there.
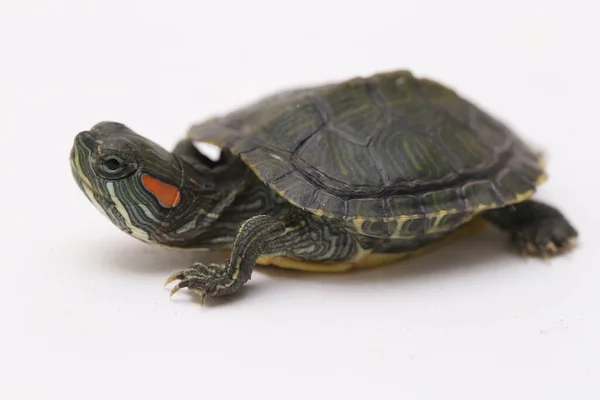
(174, 277)
(545, 238)
(201, 295)
(202, 280)
(177, 288)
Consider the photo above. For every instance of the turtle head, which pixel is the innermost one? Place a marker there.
(136, 183)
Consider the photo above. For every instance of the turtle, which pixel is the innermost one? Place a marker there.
(324, 178)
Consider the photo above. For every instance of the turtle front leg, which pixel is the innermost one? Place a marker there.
(256, 236)
(535, 228)
(300, 235)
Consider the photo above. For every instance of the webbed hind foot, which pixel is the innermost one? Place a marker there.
(535, 228)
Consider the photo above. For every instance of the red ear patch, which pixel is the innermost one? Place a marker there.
(167, 195)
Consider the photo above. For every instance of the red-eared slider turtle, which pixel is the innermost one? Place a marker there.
(327, 178)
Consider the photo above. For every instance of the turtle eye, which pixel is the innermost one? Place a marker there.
(113, 164)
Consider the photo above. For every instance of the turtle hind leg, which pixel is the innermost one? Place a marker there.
(535, 228)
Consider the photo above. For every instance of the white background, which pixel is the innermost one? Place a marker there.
(83, 314)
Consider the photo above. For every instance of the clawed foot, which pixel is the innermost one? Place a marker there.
(545, 238)
(203, 280)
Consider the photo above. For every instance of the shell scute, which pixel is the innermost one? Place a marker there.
(392, 155)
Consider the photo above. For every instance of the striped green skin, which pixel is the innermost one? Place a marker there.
(391, 155)
(123, 198)
(215, 203)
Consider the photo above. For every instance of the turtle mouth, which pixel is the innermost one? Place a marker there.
(86, 187)
(84, 183)
(101, 201)
(80, 153)
(97, 197)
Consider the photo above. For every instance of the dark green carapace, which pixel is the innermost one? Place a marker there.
(328, 178)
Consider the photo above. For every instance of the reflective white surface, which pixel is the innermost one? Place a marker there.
(83, 313)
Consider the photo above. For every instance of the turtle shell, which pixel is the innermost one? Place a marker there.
(392, 155)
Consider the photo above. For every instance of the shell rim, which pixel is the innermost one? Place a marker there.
(517, 198)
